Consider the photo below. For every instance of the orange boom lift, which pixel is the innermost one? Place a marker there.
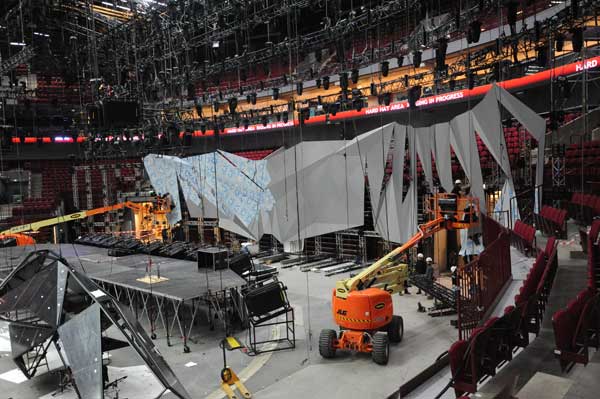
(362, 305)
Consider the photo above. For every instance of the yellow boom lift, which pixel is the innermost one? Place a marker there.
(149, 217)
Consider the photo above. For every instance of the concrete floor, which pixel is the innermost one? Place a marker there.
(292, 374)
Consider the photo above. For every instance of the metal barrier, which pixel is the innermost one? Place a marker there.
(481, 281)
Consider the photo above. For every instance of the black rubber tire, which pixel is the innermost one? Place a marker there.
(326, 341)
(381, 348)
(395, 329)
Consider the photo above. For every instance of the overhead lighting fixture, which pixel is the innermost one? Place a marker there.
(17, 44)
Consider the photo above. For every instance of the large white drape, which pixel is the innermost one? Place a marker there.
(316, 188)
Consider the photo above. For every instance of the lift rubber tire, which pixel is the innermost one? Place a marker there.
(381, 348)
(395, 329)
(326, 341)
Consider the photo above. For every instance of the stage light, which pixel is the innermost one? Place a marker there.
(275, 93)
(232, 104)
(326, 82)
(318, 83)
(440, 54)
(387, 99)
(511, 16)
(400, 60)
(413, 96)
(203, 128)
(246, 124)
(354, 76)
(385, 68)
(216, 106)
(248, 99)
(406, 81)
(357, 104)
(344, 80)
(265, 121)
(474, 32)
(560, 41)
(452, 84)
(285, 117)
(577, 39)
(416, 59)
(253, 98)
(299, 88)
(542, 56)
(373, 89)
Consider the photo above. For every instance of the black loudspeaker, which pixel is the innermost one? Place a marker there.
(240, 263)
(212, 258)
(268, 298)
(118, 113)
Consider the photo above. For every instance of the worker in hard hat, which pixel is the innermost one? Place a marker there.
(429, 273)
(457, 189)
(420, 267)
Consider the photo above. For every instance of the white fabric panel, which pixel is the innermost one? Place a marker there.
(465, 146)
(424, 138)
(162, 171)
(535, 124)
(376, 147)
(443, 157)
(388, 219)
(318, 193)
(488, 124)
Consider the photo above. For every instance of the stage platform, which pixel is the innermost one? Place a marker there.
(169, 305)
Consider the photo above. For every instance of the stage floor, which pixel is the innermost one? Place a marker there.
(184, 282)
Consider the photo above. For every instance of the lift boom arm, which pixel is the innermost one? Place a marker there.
(35, 226)
(384, 266)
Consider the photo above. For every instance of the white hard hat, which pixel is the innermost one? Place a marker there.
(453, 269)
(419, 256)
(428, 259)
(458, 181)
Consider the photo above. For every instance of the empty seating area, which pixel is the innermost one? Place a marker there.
(583, 157)
(491, 345)
(551, 221)
(577, 327)
(584, 207)
(255, 154)
(523, 237)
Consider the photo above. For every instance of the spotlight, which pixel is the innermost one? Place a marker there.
(253, 98)
(385, 68)
(577, 39)
(233, 102)
(284, 117)
(264, 121)
(354, 76)
(560, 42)
(470, 80)
(440, 54)
(416, 59)
(387, 99)
(344, 80)
(474, 32)
(318, 83)
(278, 117)
(216, 106)
(275, 93)
(373, 89)
(400, 60)
(203, 128)
(246, 123)
(357, 103)
(511, 11)
(413, 96)
(299, 88)
(542, 56)
(248, 99)
(326, 82)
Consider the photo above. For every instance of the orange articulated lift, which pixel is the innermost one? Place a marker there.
(150, 220)
(362, 305)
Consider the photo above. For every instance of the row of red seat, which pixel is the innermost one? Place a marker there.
(551, 221)
(523, 237)
(577, 327)
(495, 342)
(584, 207)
